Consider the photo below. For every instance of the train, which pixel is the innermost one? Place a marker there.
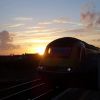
(69, 58)
(66, 55)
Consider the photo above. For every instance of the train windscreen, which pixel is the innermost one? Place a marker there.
(59, 52)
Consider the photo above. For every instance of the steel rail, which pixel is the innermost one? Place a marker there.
(6, 97)
(18, 85)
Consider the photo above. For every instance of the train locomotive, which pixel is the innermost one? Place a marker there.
(68, 56)
(65, 55)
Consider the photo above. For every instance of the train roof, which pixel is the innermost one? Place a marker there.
(65, 41)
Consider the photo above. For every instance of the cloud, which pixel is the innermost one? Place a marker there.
(15, 25)
(89, 17)
(36, 27)
(23, 19)
(79, 30)
(96, 40)
(64, 20)
(98, 20)
(61, 20)
(45, 23)
(6, 41)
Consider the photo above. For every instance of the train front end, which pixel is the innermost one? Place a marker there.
(62, 56)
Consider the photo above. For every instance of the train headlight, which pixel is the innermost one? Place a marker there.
(40, 68)
(69, 69)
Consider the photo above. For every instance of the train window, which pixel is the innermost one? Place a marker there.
(59, 52)
(49, 50)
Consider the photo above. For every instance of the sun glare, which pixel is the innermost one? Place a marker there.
(40, 50)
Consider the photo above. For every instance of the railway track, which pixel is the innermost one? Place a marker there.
(31, 90)
(39, 89)
(24, 90)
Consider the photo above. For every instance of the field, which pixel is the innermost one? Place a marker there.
(18, 67)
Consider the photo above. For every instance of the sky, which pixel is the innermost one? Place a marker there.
(27, 26)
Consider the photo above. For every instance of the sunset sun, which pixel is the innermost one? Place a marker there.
(40, 50)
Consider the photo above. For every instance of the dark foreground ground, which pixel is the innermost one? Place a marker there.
(15, 70)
